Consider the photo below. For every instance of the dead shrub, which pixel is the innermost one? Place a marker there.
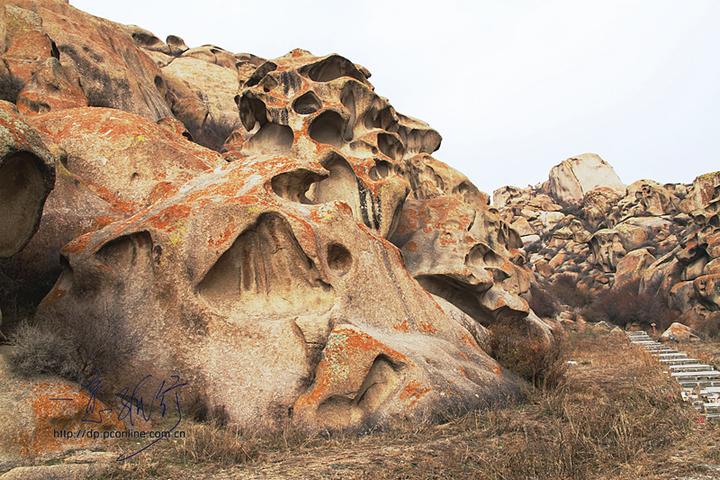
(73, 347)
(39, 351)
(626, 305)
(709, 327)
(531, 357)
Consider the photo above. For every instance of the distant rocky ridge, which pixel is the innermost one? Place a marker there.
(583, 222)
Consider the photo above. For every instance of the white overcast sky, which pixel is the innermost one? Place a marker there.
(513, 86)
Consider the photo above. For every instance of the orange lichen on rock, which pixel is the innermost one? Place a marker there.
(168, 218)
(58, 406)
(403, 326)
(427, 327)
(413, 392)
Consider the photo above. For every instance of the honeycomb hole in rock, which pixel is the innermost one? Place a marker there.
(467, 191)
(328, 127)
(129, 255)
(145, 40)
(22, 196)
(346, 411)
(341, 184)
(381, 169)
(390, 146)
(422, 141)
(271, 138)
(266, 271)
(269, 83)
(385, 119)
(330, 68)
(260, 73)
(252, 111)
(481, 256)
(295, 184)
(339, 258)
(307, 103)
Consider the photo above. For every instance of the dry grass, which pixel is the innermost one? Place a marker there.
(617, 417)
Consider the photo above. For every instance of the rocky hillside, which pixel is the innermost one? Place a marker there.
(272, 231)
(585, 227)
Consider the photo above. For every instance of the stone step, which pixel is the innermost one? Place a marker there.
(699, 383)
(678, 361)
(702, 374)
(689, 367)
(672, 355)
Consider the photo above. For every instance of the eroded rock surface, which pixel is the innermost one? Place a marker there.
(110, 164)
(325, 271)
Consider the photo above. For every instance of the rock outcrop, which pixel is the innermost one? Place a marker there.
(324, 270)
(572, 179)
(657, 239)
(111, 164)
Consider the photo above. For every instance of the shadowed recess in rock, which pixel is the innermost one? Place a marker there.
(381, 381)
(22, 195)
(266, 270)
(307, 103)
(328, 127)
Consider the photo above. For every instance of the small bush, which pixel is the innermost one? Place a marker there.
(709, 327)
(41, 351)
(535, 359)
(542, 303)
(74, 347)
(626, 305)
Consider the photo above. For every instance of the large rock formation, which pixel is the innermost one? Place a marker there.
(570, 180)
(656, 238)
(324, 271)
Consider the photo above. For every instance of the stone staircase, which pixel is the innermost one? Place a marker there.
(700, 382)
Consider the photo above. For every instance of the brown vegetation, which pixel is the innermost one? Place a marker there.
(533, 358)
(52, 346)
(627, 305)
(617, 416)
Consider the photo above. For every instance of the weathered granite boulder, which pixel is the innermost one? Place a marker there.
(99, 63)
(111, 164)
(677, 332)
(573, 178)
(276, 310)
